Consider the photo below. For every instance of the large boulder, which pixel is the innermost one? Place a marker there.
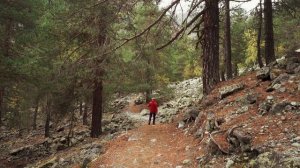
(292, 67)
(191, 114)
(263, 73)
(139, 100)
(228, 90)
(275, 72)
(278, 107)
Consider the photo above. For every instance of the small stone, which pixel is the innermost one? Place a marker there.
(277, 86)
(283, 118)
(283, 89)
(153, 140)
(297, 139)
(270, 97)
(229, 163)
(296, 145)
(187, 162)
(181, 124)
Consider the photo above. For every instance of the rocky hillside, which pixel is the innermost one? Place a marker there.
(251, 121)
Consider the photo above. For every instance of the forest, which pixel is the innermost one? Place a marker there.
(68, 58)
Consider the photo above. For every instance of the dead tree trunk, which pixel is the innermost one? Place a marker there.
(227, 38)
(259, 58)
(210, 45)
(269, 35)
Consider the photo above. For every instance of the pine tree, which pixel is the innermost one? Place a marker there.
(210, 45)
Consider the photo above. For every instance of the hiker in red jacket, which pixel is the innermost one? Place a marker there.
(153, 110)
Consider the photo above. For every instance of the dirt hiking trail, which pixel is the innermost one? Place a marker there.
(149, 146)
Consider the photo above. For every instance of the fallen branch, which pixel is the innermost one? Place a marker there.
(215, 142)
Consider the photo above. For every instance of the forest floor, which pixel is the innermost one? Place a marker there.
(159, 146)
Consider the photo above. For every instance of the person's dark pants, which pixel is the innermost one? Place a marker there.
(150, 116)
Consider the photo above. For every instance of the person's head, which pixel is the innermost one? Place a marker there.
(153, 99)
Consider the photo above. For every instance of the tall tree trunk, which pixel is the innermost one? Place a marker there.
(148, 81)
(71, 132)
(1, 104)
(80, 107)
(85, 113)
(222, 75)
(259, 58)
(36, 108)
(210, 45)
(227, 38)
(48, 118)
(6, 47)
(235, 70)
(7, 38)
(97, 109)
(269, 39)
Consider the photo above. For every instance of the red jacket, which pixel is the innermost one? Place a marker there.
(153, 106)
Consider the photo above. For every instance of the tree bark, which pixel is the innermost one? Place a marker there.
(210, 45)
(1, 104)
(148, 81)
(36, 108)
(235, 70)
(227, 38)
(48, 118)
(269, 35)
(259, 58)
(80, 108)
(85, 113)
(97, 109)
(6, 47)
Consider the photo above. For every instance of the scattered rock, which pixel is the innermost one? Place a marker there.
(278, 107)
(241, 110)
(275, 72)
(190, 115)
(181, 124)
(263, 73)
(229, 163)
(264, 107)
(187, 162)
(144, 112)
(139, 100)
(228, 90)
(296, 144)
(251, 98)
(292, 67)
(266, 160)
(281, 79)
